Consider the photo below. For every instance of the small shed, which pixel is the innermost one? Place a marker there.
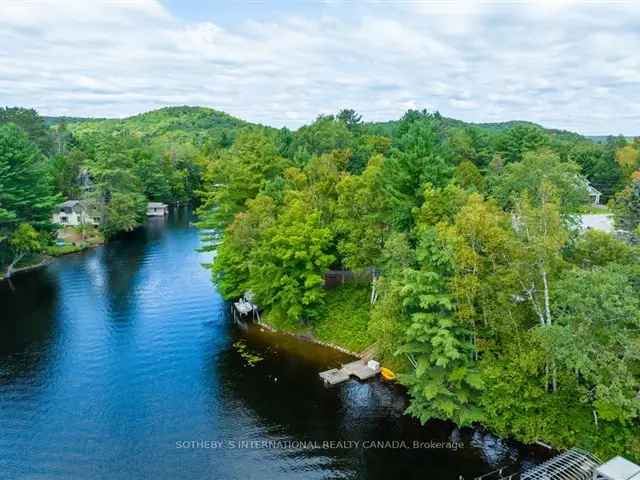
(157, 209)
(335, 278)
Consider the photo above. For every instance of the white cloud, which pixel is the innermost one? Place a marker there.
(564, 64)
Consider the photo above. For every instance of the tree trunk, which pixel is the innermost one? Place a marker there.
(534, 304)
(374, 291)
(546, 376)
(13, 264)
(547, 308)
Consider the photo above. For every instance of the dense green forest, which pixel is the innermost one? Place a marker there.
(113, 166)
(470, 276)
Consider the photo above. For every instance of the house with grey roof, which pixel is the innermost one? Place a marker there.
(75, 213)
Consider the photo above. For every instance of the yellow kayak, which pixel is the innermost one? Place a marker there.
(387, 374)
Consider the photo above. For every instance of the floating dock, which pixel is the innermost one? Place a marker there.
(358, 369)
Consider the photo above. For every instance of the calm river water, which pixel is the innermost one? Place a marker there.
(118, 363)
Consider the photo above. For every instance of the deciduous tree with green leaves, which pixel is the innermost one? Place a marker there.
(362, 216)
(442, 380)
(596, 339)
(287, 266)
(234, 254)
(538, 168)
(118, 193)
(626, 207)
(23, 241)
(234, 176)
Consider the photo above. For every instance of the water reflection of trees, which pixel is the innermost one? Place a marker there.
(121, 261)
(123, 258)
(281, 399)
(28, 326)
(272, 401)
(155, 228)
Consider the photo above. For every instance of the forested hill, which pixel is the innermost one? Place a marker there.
(606, 138)
(57, 120)
(196, 125)
(199, 123)
(389, 127)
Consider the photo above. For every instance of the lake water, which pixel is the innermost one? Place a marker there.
(118, 363)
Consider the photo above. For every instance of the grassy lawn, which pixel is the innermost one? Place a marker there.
(75, 241)
(344, 321)
(57, 250)
(346, 318)
(281, 322)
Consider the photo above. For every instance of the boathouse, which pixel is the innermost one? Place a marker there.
(157, 209)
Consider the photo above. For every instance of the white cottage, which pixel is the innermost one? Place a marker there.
(75, 213)
(157, 209)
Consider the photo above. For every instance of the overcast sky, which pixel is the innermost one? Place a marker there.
(562, 63)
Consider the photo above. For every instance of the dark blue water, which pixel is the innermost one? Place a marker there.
(118, 363)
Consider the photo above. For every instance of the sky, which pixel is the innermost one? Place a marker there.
(565, 64)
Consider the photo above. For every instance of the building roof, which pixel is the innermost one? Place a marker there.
(619, 468)
(156, 205)
(69, 203)
(593, 190)
(573, 464)
(596, 221)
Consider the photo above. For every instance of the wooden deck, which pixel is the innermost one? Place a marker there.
(243, 309)
(357, 369)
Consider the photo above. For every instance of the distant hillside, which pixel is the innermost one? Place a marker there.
(52, 121)
(604, 138)
(389, 126)
(170, 124)
(197, 124)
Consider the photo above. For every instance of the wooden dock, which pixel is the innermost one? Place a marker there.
(358, 369)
